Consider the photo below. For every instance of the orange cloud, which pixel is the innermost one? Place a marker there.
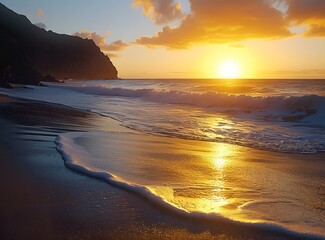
(220, 21)
(306, 11)
(101, 42)
(112, 55)
(315, 30)
(161, 11)
(118, 45)
(310, 13)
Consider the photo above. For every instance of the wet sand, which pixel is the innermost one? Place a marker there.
(42, 199)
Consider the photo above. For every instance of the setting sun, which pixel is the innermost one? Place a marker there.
(229, 69)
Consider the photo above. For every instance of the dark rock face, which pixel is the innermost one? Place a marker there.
(27, 53)
(49, 78)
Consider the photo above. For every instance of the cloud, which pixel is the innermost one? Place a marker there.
(40, 25)
(220, 21)
(315, 30)
(40, 13)
(310, 13)
(117, 46)
(112, 55)
(160, 11)
(101, 42)
(306, 11)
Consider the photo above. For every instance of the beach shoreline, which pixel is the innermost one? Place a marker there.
(44, 199)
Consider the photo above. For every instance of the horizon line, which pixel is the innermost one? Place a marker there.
(207, 78)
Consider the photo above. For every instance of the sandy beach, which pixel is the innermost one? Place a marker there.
(41, 198)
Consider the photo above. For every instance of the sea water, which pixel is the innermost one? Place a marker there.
(197, 146)
(274, 115)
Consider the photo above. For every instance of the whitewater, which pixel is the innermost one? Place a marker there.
(274, 115)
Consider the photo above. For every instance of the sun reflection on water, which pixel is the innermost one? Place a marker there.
(220, 163)
(204, 186)
(216, 127)
(220, 160)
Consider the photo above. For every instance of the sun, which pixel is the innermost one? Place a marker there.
(229, 69)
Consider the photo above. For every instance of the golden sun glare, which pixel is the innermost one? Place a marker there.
(229, 69)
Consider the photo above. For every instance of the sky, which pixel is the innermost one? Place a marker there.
(194, 38)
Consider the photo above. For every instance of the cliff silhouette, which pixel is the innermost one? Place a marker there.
(29, 54)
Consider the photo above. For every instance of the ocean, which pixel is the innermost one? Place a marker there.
(274, 115)
(249, 151)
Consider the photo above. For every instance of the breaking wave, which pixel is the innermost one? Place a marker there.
(292, 122)
(297, 105)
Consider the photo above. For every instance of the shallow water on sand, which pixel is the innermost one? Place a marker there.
(208, 180)
(216, 177)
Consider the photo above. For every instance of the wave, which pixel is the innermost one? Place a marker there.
(300, 106)
(293, 124)
(74, 157)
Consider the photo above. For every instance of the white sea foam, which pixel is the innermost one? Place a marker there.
(277, 123)
(307, 105)
(263, 117)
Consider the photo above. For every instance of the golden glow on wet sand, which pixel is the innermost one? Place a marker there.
(206, 177)
(219, 162)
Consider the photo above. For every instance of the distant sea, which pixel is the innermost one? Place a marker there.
(184, 122)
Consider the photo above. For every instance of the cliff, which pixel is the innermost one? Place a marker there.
(29, 53)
